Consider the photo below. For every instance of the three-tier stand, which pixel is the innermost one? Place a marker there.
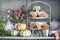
(44, 6)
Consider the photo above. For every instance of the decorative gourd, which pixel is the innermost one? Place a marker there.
(21, 26)
(14, 32)
(25, 33)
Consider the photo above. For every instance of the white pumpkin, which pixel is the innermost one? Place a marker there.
(25, 33)
(14, 32)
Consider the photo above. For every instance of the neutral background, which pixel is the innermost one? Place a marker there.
(16, 4)
(55, 8)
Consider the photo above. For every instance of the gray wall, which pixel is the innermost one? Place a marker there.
(10, 4)
(55, 10)
(15, 4)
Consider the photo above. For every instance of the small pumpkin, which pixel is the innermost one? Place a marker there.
(21, 26)
(14, 32)
(25, 33)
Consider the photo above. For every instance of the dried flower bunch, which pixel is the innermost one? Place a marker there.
(17, 15)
